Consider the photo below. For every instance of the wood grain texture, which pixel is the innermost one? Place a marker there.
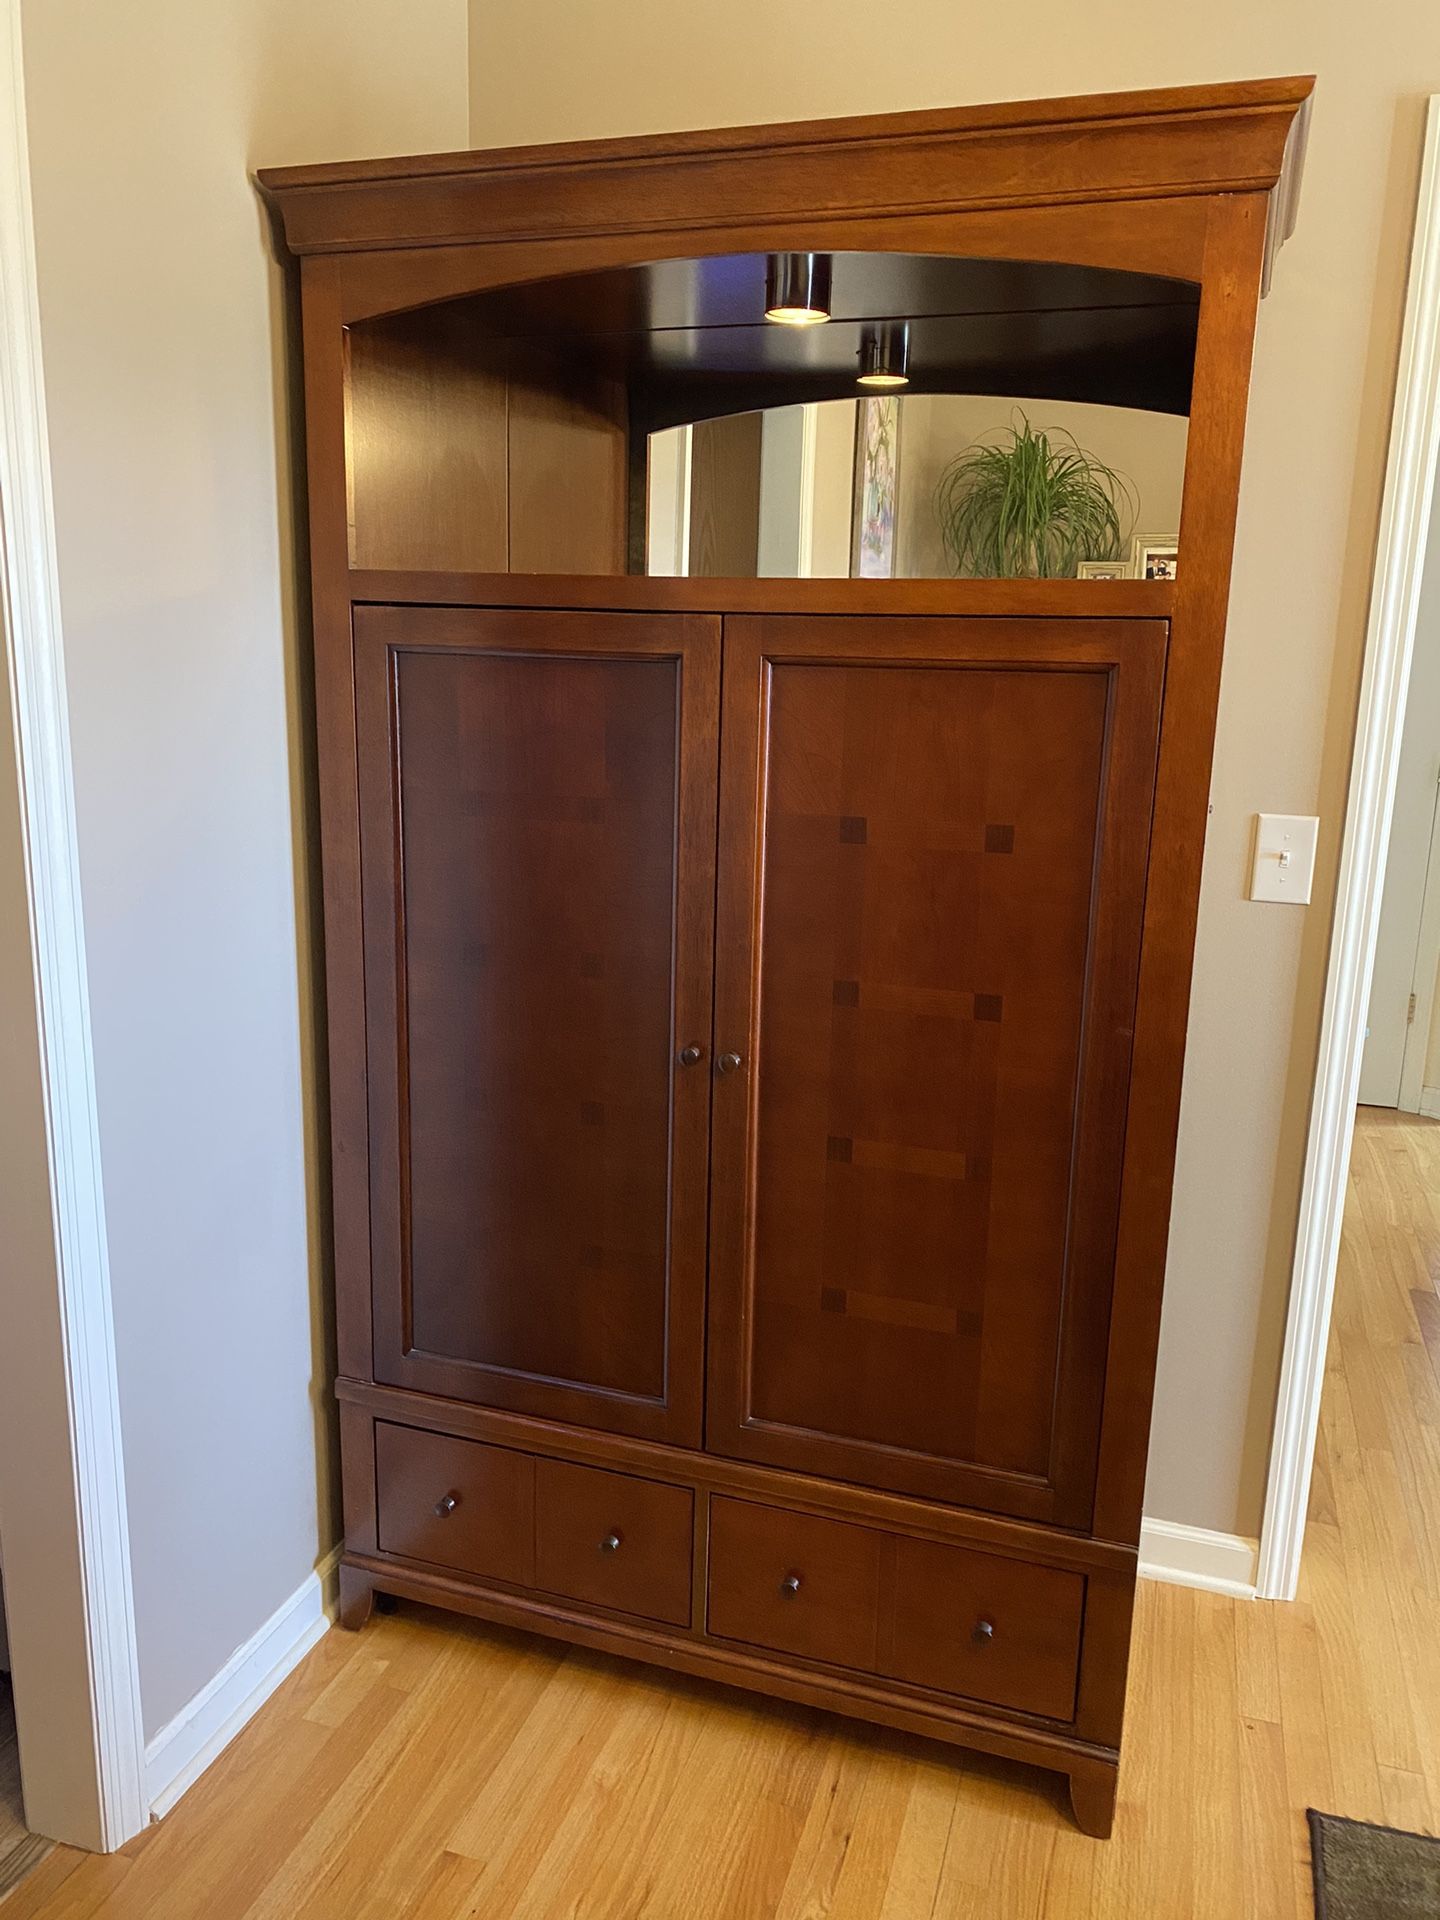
(1175, 183)
(456, 1504)
(1050, 1546)
(1168, 142)
(568, 465)
(427, 465)
(613, 1540)
(426, 1766)
(537, 795)
(1145, 236)
(932, 1616)
(1017, 599)
(463, 452)
(917, 1165)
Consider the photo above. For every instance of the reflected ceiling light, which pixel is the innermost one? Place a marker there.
(885, 355)
(797, 288)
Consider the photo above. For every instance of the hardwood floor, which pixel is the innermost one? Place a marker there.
(429, 1770)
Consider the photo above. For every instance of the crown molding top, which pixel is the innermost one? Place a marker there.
(1239, 138)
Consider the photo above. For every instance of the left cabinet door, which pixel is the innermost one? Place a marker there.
(537, 815)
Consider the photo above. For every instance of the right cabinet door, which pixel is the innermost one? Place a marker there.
(933, 848)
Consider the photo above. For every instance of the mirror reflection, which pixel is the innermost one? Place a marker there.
(889, 416)
(918, 486)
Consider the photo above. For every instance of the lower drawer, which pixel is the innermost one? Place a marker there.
(608, 1539)
(934, 1616)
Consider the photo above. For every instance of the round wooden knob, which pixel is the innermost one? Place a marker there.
(611, 1543)
(689, 1055)
(790, 1585)
(984, 1632)
(728, 1062)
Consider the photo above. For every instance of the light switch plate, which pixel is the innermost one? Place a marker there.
(1284, 864)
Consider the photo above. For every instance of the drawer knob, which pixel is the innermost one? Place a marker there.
(446, 1505)
(984, 1632)
(610, 1544)
(790, 1586)
(689, 1056)
(728, 1062)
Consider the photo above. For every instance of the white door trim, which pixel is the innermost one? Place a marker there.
(1427, 966)
(1400, 556)
(95, 1797)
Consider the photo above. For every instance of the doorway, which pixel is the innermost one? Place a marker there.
(1395, 619)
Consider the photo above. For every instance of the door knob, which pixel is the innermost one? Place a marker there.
(983, 1632)
(610, 1544)
(446, 1505)
(689, 1055)
(728, 1062)
(790, 1585)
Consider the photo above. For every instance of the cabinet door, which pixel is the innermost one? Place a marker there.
(537, 802)
(933, 846)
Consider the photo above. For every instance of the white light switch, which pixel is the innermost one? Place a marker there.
(1284, 866)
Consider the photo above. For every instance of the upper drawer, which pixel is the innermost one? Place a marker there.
(934, 1616)
(607, 1539)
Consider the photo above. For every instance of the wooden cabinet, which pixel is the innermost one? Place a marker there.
(537, 807)
(610, 1539)
(932, 871)
(933, 1616)
(757, 1005)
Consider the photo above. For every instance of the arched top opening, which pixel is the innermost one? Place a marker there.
(538, 417)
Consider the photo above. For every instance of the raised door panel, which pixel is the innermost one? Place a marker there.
(537, 844)
(934, 837)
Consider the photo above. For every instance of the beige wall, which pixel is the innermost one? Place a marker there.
(162, 315)
(560, 69)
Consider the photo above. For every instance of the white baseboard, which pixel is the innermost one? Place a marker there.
(1430, 1102)
(1195, 1557)
(201, 1731)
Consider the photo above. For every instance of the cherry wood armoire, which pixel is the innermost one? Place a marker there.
(757, 1000)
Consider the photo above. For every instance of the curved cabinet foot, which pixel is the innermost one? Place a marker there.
(1093, 1786)
(357, 1597)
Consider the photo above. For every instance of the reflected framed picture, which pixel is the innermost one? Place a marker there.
(1103, 570)
(1154, 556)
(876, 493)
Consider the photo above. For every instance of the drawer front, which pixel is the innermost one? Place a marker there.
(944, 1618)
(613, 1540)
(455, 1503)
(607, 1539)
(995, 1629)
(794, 1583)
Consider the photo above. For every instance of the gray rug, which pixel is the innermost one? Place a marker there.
(1372, 1873)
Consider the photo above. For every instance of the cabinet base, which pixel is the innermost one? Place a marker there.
(357, 1597)
(1093, 1788)
(1092, 1770)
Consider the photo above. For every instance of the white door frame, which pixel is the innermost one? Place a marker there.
(1400, 557)
(1427, 974)
(62, 1495)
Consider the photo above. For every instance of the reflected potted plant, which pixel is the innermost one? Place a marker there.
(1030, 506)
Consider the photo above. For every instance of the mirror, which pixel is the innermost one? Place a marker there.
(911, 487)
(660, 419)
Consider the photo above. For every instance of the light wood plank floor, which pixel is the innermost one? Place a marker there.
(428, 1770)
